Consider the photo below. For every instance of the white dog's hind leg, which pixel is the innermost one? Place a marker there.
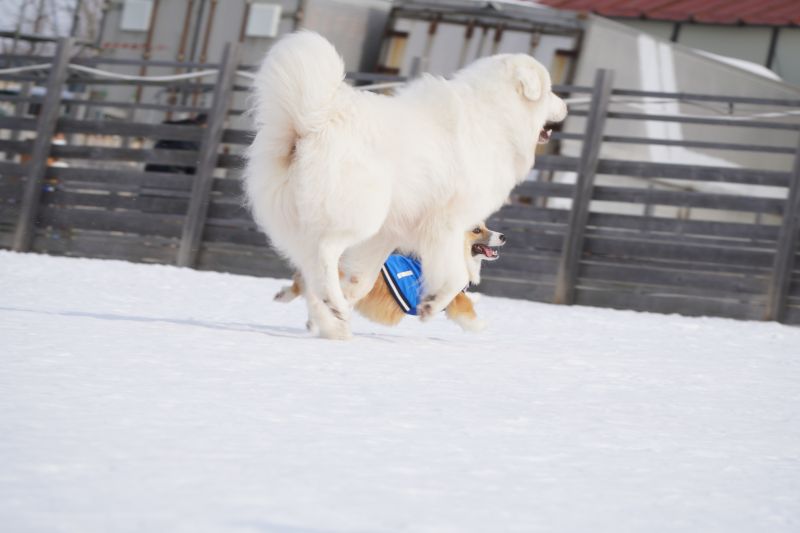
(316, 311)
(362, 265)
(327, 305)
(444, 271)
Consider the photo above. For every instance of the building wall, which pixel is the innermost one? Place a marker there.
(355, 28)
(449, 41)
(662, 30)
(750, 43)
(644, 62)
(787, 55)
(746, 42)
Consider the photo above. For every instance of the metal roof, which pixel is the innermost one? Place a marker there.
(769, 12)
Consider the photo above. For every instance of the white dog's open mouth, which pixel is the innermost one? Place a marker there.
(544, 135)
(488, 252)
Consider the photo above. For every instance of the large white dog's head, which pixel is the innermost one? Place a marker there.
(520, 89)
(533, 85)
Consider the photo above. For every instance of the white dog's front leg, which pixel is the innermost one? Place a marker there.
(444, 271)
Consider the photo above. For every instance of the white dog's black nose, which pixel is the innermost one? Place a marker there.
(502, 238)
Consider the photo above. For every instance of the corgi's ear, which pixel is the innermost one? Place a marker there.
(529, 84)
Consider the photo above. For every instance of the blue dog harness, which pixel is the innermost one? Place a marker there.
(403, 275)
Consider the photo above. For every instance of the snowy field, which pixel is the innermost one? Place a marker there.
(157, 399)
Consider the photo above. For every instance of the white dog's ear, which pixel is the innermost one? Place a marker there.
(530, 86)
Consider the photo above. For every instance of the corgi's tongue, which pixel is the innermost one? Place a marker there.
(482, 249)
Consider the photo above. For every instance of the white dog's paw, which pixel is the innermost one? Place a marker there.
(339, 331)
(285, 295)
(474, 296)
(334, 325)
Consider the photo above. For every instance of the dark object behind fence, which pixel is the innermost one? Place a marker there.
(118, 202)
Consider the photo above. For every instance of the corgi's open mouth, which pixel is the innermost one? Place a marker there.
(489, 253)
(544, 135)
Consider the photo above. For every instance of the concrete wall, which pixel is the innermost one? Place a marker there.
(644, 62)
(750, 43)
(743, 42)
(449, 41)
(355, 28)
(787, 55)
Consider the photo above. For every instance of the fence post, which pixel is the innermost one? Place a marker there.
(45, 128)
(207, 158)
(780, 279)
(587, 168)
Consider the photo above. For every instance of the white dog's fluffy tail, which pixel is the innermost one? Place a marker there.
(297, 84)
(296, 92)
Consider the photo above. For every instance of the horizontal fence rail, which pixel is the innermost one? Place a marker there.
(593, 226)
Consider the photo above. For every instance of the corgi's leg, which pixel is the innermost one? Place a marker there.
(462, 312)
(286, 294)
(290, 292)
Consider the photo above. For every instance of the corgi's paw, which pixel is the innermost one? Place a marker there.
(285, 295)
(425, 309)
(473, 325)
(474, 296)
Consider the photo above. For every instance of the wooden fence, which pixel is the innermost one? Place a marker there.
(104, 193)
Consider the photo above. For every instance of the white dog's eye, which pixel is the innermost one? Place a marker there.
(476, 230)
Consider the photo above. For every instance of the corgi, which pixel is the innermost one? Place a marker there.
(396, 291)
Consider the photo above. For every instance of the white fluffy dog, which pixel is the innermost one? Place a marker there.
(340, 177)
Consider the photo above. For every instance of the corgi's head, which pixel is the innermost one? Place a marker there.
(480, 244)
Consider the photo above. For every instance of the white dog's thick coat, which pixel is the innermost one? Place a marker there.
(335, 171)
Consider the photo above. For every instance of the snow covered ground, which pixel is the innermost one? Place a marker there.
(151, 398)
